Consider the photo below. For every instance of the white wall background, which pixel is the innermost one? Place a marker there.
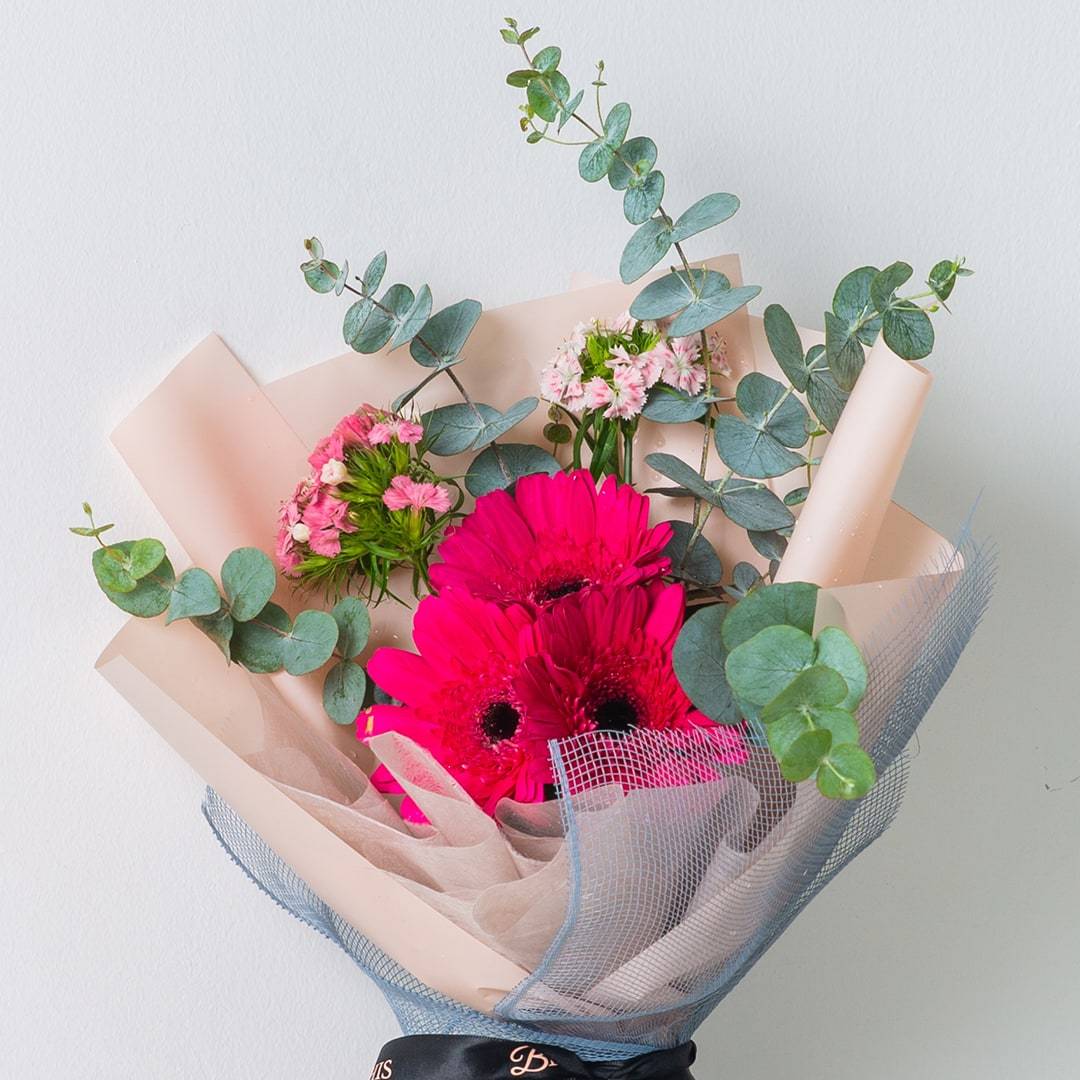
(159, 166)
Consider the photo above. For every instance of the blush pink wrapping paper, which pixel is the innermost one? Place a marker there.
(300, 780)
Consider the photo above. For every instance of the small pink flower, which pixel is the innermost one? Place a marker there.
(351, 430)
(623, 323)
(562, 385)
(405, 493)
(598, 393)
(628, 395)
(395, 427)
(649, 364)
(334, 472)
(326, 542)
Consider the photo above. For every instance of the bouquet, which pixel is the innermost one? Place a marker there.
(552, 712)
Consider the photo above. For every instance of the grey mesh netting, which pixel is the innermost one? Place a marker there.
(683, 870)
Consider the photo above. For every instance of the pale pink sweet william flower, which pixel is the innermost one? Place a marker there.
(395, 427)
(351, 430)
(405, 493)
(649, 364)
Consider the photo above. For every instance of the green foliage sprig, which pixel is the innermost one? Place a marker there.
(436, 342)
(759, 660)
(240, 618)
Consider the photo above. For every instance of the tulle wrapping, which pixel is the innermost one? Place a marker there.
(611, 919)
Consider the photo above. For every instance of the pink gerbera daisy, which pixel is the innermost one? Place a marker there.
(459, 698)
(493, 684)
(554, 536)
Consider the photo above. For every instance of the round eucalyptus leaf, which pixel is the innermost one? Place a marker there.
(547, 60)
(780, 734)
(716, 300)
(847, 773)
(825, 396)
(145, 557)
(195, 593)
(704, 214)
(219, 628)
(310, 643)
(836, 650)
(796, 497)
(354, 625)
(111, 569)
(770, 545)
(908, 331)
(669, 294)
(248, 580)
(674, 468)
(559, 434)
(802, 757)
(769, 407)
(698, 659)
(668, 405)
(751, 451)
(839, 723)
(699, 564)
(148, 596)
(499, 466)
(443, 336)
(343, 692)
(749, 504)
(594, 161)
(843, 350)
(942, 278)
(413, 319)
(744, 577)
(503, 422)
(851, 301)
(452, 429)
(786, 345)
(790, 603)
(883, 285)
(258, 644)
(321, 275)
(643, 197)
(812, 690)
(383, 320)
(373, 275)
(636, 157)
(645, 249)
(546, 95)
(766, 664)
(356, 315)
(616, 125)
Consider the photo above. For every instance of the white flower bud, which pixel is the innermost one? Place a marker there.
(334, 472)
(301, 533)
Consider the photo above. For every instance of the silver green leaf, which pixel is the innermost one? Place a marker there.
(383, 320)
(595, 160)
(258, 644)
(413, 319)
(248, 580)
(354, 625)
(195, 593)
(343, 692)
(501, 465)
(373, 275)
(645, 249)
(759, 445)
(443, 336)
(704, 214)
(753, 506)
(310, 642)
(791, 603)
(636, 158)
(144, 597)
(616, 125)
(698, 564)
(908, 331)
(699, 660)
(786, 346)
(761, 668)
(846, 773)
(643, 197)
(668, 405)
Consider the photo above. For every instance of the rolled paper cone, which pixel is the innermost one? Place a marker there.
(838, 527)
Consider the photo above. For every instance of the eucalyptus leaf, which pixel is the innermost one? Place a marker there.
(846, 773)
(744, 577)
(218, 627)
(645, 249)
(195, 593)
(310, 643)
(760, 668)
(802, 757)
(521, 78)
(354, 625)
(786, 346)
(908, 331)
(836, 650)
(547, 60)
(843, 350)
(674, 468)
(343, 692)
(701, 298)
(547, 95)
(698, 564)
(84, 530)
(753, 506)
(146, 597)
(770, 545)
(698, 659)
(839, 723)
(636, 157)
(443, 336)
(751, 451)
(668, 405)
(780, 734)
(383, 320)
(790, 603)
(501, 424)
(817, 687)
(321, 275)
(499, 466)
(111, 569)
(825, 396)
(643, 197)
(569, 109)
(452, 429)
(851, 302)
(595, 160)
(704, 214)
(258, 644)
(884, 284)
(616, 125)
(413, 319)
(145, 557)
(356, 315)
(248, 580)
(796, 497)
(373, 275)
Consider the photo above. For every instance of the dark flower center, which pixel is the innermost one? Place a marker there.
(499, 721)
(553, 590)
(618, 714)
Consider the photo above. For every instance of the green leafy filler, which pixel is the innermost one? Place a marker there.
(760, 660)
(240, 617)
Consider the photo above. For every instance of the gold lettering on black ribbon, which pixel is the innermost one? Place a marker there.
(527, 1059)
(383, 1070)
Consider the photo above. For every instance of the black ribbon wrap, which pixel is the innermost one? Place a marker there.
(469, 1057)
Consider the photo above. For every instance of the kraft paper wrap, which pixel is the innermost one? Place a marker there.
(466, 904)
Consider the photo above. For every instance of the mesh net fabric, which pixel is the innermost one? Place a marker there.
(683, 870)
